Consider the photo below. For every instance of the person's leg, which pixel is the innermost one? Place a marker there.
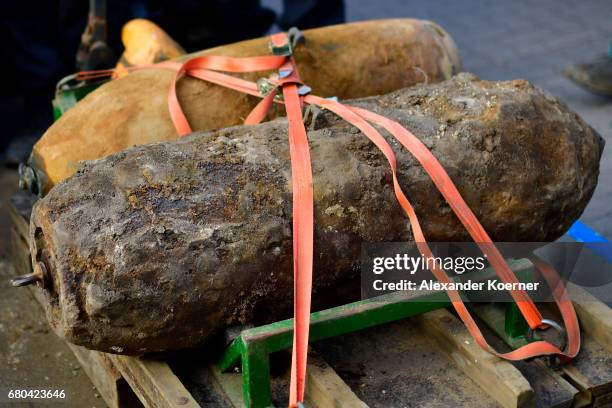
(197, 24)
(33, 62)
(311, 13)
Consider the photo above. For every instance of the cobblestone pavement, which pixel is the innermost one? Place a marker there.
(530, 39)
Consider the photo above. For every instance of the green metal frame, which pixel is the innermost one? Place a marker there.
(252, 348)
(69, 91)
(505, 319)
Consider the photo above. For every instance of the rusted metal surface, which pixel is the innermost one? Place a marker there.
(161, 246)
(348, 61)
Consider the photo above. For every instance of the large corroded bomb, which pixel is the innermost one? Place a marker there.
(161, 246)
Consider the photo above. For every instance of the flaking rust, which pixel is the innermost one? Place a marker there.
(161, 246)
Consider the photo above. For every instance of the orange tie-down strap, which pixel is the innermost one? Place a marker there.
(288, 81)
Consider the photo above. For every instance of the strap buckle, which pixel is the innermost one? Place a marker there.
(551, 323)
(265, 86)
(284, 50)
(294, 38)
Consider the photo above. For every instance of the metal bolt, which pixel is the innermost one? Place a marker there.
(39, 274)
(24, 280)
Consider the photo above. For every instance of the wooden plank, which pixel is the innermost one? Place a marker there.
(551, 389)
(19, 253)
(500, 379)
(591, 371)
(603, 402)
(325, 388)
(107, 379)
(594, 315)
(101, 372)
(20, 207)
(153, 382)
(230, 384)
(588, 378)
(395, 365)
(19, 236)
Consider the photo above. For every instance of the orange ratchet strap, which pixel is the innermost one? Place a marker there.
(477, 232)
(301, 173)
(303, 221)
(359, 117)
(288, 81)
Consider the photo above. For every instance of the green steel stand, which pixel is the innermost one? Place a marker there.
(69, 91)
(253, 346)
(505, 319)
(251, 349)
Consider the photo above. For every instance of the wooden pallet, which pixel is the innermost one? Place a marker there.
(430, 360)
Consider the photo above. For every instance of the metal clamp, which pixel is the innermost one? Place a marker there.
(294, 38)
(266, 85)
(554, 325)
(31, 179)
(284, 50)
